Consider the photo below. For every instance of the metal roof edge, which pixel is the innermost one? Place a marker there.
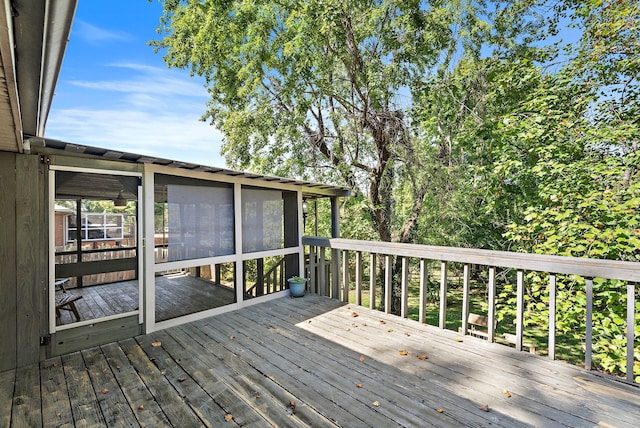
(53, 146)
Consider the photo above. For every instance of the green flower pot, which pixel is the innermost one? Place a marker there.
(297, 286)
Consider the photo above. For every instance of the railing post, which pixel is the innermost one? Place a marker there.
(372, 281)
(491, 328)
(358, 278)
(443, 295)
(588, 340)
(465, 298)
(519, 309)
(552, 316)
(424, 282)
(345, 276)
(404, 306)
(322, 285)
(631, 305)
(388, 283)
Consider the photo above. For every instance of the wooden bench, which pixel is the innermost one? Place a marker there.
(478, 326)
(66, 301)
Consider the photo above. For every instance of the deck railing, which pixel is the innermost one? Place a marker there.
(336, 283)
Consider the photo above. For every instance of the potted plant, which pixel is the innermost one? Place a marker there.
(297, 286)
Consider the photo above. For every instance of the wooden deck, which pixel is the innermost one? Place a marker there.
(310, 361)
(176, 296)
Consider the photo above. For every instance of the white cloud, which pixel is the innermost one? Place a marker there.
(95, 35)
(153, 111)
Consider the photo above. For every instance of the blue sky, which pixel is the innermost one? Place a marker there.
(115, 92)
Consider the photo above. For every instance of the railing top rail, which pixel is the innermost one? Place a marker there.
(590, 268)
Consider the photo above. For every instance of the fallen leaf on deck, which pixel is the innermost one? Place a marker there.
(404, 352)
(407, 334)
(440, 410)
(156, 344)
(484, 408)
(292, 404)
(182, 379)
(422, 357)
(376, 403)
(232, 337)
(389, 330)
(141, 407)
(163, 372)
(105, 391)
(383, 322)
(359, 385)
(361, 357)
(228, 417)
(459, 339)
(118, 367)
(347, 329)
(506, 393)
(309, 321)
(354, 314)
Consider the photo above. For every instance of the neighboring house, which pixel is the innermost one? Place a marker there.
(234, 235)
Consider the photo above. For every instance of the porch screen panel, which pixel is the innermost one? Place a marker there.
(200, 222)
(262, 220)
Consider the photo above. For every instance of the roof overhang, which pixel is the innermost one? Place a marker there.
(56, 147)
(33, 39)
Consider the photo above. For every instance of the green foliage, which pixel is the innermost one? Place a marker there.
(450, 121)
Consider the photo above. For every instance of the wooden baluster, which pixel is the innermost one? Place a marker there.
(552, 316)
(443, 295)
(372, 281)
(335, 274)
(588, 340)
(491, 328)
(465, 298)
(631, 305)
(424, 283)
(388, 283)
(404, 305)
(345, 276)
(322, 285)
(519, 309)
(313, 280)
(358, 278)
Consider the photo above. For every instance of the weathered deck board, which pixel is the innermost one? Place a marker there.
(535, 389)
(247, 366)
(7, 384)
(56, 407)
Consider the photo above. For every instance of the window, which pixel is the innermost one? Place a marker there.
(96, 227)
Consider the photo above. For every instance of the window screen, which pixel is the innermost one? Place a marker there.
(200, 222)
(262, 220)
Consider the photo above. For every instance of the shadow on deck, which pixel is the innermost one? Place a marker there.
(311, 361)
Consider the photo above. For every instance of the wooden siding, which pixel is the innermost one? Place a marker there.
(23, 237)
(8, 289)
(309, 362)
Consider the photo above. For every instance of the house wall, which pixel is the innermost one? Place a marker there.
(23, 259)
